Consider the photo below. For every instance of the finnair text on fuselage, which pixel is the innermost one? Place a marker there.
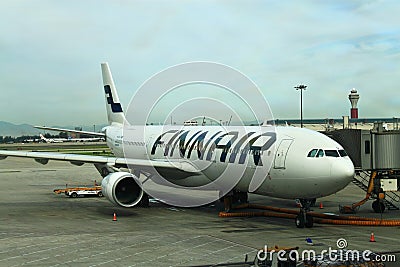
(204, 143)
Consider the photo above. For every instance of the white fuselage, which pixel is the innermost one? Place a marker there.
(266, 160)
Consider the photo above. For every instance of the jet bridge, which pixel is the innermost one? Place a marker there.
(376, 158)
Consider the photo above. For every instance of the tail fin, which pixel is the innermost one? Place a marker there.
(44, 138)
(113, 106)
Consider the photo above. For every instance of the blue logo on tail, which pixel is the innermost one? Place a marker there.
(115, 107)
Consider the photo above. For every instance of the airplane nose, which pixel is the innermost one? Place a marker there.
(343, 170)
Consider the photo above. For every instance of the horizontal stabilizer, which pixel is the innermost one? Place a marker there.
(69, 131)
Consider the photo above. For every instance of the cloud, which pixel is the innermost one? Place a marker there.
(332, 46)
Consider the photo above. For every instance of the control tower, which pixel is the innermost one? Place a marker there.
(353, 97)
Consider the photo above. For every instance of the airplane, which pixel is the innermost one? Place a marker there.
(284, 162)
(61, 140)
(31, 140)
(52, 140)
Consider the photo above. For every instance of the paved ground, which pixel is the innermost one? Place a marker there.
(39, 228)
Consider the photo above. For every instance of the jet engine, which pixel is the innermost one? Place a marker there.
(122, 188)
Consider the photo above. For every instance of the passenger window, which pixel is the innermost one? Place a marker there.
(331, 153)
(312, 153)
(320, 153)
(342, 153)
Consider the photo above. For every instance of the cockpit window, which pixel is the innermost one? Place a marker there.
(320, 153)
(331, 153)
(312, 153)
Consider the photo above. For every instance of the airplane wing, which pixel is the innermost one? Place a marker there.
(76, 159)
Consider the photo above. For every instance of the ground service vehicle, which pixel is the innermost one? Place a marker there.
(80, 191)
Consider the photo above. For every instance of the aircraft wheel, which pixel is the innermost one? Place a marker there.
(300, 223)
(219, 205)
(228, 203)
(309, 221)
(243, 197)
(378, 206)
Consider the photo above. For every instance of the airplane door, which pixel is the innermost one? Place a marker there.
(281, 152)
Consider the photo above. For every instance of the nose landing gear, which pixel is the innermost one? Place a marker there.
(303, 219)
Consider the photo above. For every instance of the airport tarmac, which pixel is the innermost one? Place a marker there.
(40, 228)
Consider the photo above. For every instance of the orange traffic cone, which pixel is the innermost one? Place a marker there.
(321, 206)
(372, 238)
(115, 217)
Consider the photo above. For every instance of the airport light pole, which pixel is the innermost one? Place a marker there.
(301, 87)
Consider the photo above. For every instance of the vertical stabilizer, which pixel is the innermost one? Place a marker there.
(113, 105)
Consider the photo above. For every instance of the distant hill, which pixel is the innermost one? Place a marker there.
(10, 129)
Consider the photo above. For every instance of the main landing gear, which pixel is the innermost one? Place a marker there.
(232, 198)
(303, 219)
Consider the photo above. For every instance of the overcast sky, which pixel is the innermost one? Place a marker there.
(50, 53)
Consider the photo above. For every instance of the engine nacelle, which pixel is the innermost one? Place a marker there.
(122, 188)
